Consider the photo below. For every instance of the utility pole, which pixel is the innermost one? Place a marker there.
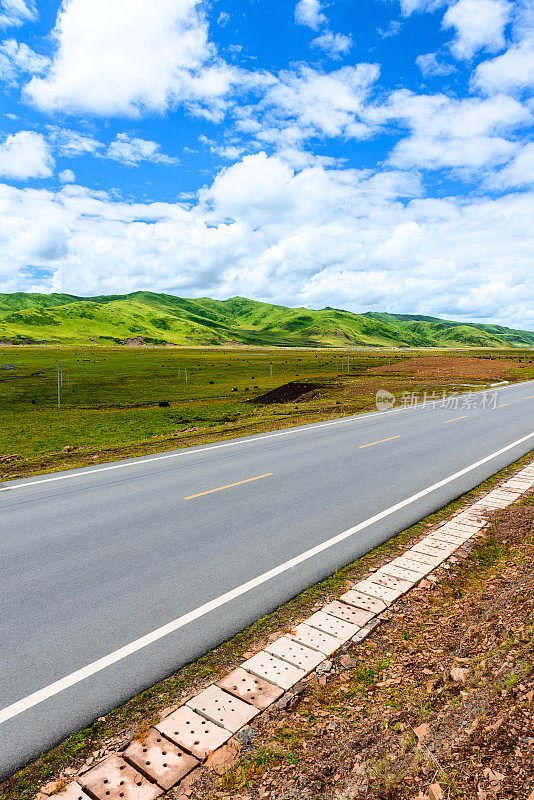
(179, 371)
(58, 388)
(186, 375)
(271, 370)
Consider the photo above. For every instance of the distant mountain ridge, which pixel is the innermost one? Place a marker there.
(165, 319)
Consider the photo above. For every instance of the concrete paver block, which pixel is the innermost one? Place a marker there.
(114, 779)
(159, 759)
(250, 688)
(363, 601)
(375, 590)
(222, 708)
(273, 669)
(423, 558)
(295, 653)
(332, 625)
(317, 640)
(72, 792)
(192, 732)
(414, 566)
(401, 572)
(453, 538)
(466, 520)
(348, 613)
(400, 584)
(437, 552)
(437, 541)
(434, 544)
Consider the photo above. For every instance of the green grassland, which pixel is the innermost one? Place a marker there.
(110, 397)
(160, 319)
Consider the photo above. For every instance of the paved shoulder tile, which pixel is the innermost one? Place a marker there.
(273, 669)
(250, 688)
(348, 613)
(363, 601)
(114, 779)
(295, 653)
(401, 572)
(317, 640)
(333, 625)
(192, 732)
(159, 759)
(380, 592)
(222, 708)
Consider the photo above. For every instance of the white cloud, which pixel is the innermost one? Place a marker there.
(16, 58)
(25, 155)
(409, 7)
(340, 237)
(124, 59)
(73, 144)
(306, 103)
(445, 132)
(431, 67)
(14, 13)
(465, 154)
(229, 151)
(67, 176)
(479, 25)
(514, 69)
(131, 151)
(309, 12)
(518, 173)
(334, 44)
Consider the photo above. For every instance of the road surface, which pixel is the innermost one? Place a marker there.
(114, 576)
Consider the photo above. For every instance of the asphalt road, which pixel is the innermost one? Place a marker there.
(93, 560)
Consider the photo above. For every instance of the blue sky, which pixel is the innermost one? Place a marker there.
(364, 154)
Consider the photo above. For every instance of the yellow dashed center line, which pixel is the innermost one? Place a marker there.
(380, 441)
(228, 486)
(502, 405)
(455, 419)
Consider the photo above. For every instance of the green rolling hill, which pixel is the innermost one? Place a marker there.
(161, 318)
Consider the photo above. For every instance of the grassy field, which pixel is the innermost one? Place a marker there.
(110, 398)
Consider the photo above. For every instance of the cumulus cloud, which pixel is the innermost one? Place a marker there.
(446, 132)
(16, 58)
(514, 69)
(305, 103)
(479, 25)
(25, 155)
(518, 173)
(309, 12)
(131, 151)
(14, 13)
(123, 59)
(334, 44)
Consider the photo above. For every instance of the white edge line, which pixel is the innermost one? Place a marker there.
(79, 675)
(198, 450)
